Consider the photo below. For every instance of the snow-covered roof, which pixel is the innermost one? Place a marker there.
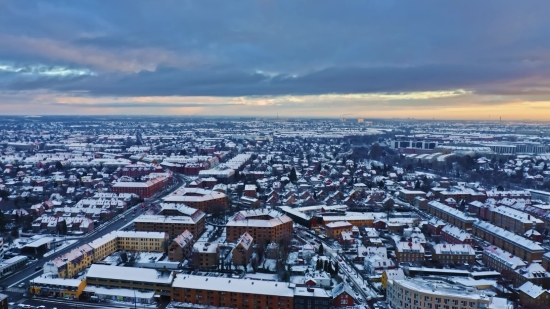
(233, 285)
(135, 274)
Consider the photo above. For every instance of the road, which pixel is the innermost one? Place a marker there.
(365, 291)
(28, 272)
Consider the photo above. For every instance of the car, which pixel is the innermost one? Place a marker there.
(41, 307)
(25, 306)
(21, 285)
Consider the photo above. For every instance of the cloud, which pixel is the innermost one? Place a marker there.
(398, 53)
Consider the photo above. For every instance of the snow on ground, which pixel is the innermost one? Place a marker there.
(64, 245)
(269, 264)
(260, 276)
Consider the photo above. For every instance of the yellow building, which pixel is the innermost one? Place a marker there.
(71, 263)
(104, 246)
(142, 241)
(75, 261)
(57, 287)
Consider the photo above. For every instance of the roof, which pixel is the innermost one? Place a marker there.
(405, 246)
(129, 274)
(504, 257)
(456, 232)
(166, 219)
(459, 249)
(337, 224)
(520, 241)
(232, 285)
(532, 290)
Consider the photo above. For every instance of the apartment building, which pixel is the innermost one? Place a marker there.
(534, 273)
(454, 235)
(514, 220)
(409, 252)
(198, 198)
(141, 241)
(181, 247)
(520, 246)
(457, 254)
(421, 294)
(205, 255)
(232, 293)
(173, 225)
(356, 219)
(243, 250)
(534, 295)
(500, 260)
(140, 279)
(264, 225)
(312, 298)
(71, 263)
(334, 229)
(48, 286)
(451, 215)
(76, 260)
(179, 209)
(144, 189)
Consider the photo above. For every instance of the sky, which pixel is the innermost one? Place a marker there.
(365, 59)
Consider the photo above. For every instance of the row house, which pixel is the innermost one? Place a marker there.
(451, 215)
(453, 235)
(514, 220)
(457, 254)
(516, 244)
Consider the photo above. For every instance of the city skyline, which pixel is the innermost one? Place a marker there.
(381, 59)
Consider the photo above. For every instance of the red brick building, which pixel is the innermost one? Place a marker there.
(144, 189)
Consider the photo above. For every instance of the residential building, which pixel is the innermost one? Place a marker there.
(198, 198)
(173, 225)
(534, 273)
(534, 295)
(205, 255)
(231, 292)
(525, 248)
(243, 250)
(311, 298)
(342, 296)
(144, 189)
(141, 241)
(264, 225)
(71, 263)
(514, 220)
(457, 254)
(454, 235)
(181, 247)
(410, 195)
(501, 261)
(423, 293)
(50, 286)
(334, 229)
(409, 252)
(451, 215)
(141, 279)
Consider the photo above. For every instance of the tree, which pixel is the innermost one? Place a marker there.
(293, 177)
(375, 151)
(319, 265)
(3, 221)
(321, 250)
(15, 232)
(500, 188)
(124, 257)
(58, 165)
(336, 269)
(388, 208)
